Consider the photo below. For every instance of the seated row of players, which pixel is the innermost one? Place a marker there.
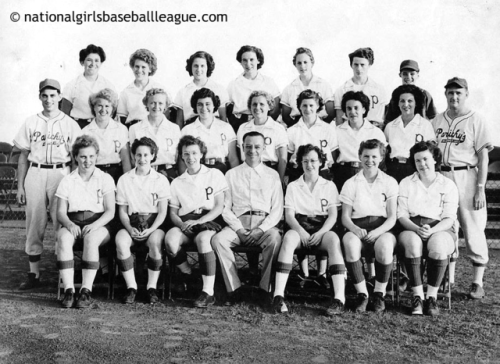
(233, 107)
(46, 138)
(251, 203)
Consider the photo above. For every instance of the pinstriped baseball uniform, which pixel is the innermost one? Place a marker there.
(460, 140)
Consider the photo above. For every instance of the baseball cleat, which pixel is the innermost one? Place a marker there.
(336, 308)
(204, 300)
(83, 300)
(417, 306)
(476, 292)
(69, 298)
(153, 296)
(30, 283)
(129, 297)
(362, 302)
(431, 307)
(279, 305)
(378, 302)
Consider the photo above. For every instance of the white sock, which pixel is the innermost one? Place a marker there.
(380, 287)
(432, 291)
(185, 268)
(418, 291)
(478, 275)
(361, 288)
(371, 269)
(281, 279)
(451, 270)
(208, 284)
(152, 278)
(35, 268)
(67, 276)
(338, 281)
(129, 277)
(88, 276)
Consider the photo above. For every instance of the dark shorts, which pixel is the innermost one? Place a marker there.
(215, 225)
(399, 170)
(82, 219)
(115, 170)
(421, 221)
(341, 173)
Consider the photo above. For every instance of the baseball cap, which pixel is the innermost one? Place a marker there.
(409, 64)
(457, 81)
(49, 83)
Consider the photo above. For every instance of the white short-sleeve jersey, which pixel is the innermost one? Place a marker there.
(85, 196)
(111, 140)
(49, 141)
(402, 138)
(375, 92)
(217, 138)
(166, 138)
(240, 89)
(142, 193)
(78, 92)
(438, 201)
(350, 139)
(462, 138)
(197, 192)
(275, 137)
(292, 91)
(311, 203)
(130, 103)
(183, 97)
(319, 134)
(369, 199)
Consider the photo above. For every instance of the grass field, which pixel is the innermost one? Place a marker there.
(34, 329)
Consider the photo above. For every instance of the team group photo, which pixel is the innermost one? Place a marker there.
(337, 201)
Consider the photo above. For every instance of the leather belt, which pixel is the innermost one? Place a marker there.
(255, 213)
(50, 166)
(453, 168)
(351, 164)
(109, 165)
(213, 161)
(401, 160)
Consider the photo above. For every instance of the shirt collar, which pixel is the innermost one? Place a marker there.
(303, 125)
(259, 169)
(360, 177)
(93, 125)
(152, 174)
(417, 120)
(258, 77)
(439, 178)
(187, 176)
(268, 124)
(298, 82)
(144, 124)
(301, 182)
(54, 119)
(366, 125)
(75, 176)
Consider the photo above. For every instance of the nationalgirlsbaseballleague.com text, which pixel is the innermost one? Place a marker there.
(132, 17)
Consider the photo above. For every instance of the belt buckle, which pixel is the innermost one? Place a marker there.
(402, 159)
(355, 164)
(211, 161)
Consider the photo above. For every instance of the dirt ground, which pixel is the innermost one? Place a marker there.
(34, 329)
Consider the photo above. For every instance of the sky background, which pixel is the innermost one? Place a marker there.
(447, 38)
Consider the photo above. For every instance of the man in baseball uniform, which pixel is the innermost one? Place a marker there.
(409, 73)
(465, 142)
(252, 209)
(45, 141)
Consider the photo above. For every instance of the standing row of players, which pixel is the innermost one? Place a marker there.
(233, 99)
(46, 139)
